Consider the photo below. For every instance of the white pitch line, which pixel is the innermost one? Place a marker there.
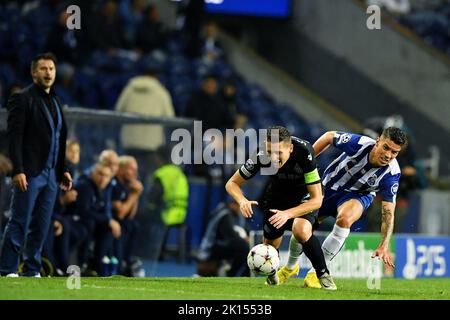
(173, 291)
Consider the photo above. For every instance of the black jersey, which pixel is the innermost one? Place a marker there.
(287, 187)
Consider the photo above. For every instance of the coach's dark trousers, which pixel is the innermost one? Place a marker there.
(28, 225)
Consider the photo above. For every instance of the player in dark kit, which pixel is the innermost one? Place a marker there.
(291, 199)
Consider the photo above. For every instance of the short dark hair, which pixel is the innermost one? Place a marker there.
(396, 135)
(281, 132)
(43, 56)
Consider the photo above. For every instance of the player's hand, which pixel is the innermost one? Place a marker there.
(58, 228)
(69, 197)
(136, 186)
(384, 254)
(246, 207)
(20, 181)
(66, 183)
(279, 218)
(5, 165)
(115, 228)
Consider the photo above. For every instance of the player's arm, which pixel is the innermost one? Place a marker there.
(124, 208)
(233, 187)
(387, 228)
(323, 142)
(315, 202)
(16, 128)
(134, 210)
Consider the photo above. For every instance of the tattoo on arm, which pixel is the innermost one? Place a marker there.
(387, 223)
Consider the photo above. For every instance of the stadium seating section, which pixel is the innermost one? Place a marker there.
(429, 19)
(98, 82)
(98, 85)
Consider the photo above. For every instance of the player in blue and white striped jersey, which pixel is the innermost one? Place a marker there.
(351, 181)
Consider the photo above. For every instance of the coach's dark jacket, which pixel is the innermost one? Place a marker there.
(30, 134)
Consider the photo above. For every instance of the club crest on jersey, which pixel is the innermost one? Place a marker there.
(344, 138)
(372, 180)
(249, 165)
(394, 189)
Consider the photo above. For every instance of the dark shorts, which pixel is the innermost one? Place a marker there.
(271, 233)
(334, 199)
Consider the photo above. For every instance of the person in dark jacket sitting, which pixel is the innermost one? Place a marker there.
(93, 209)
(225, 244)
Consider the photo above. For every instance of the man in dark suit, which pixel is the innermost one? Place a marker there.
(37, 144)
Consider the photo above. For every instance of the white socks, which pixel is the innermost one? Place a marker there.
(333, 243)
(295, 250)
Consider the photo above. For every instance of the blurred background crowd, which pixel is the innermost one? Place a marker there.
(176, 59)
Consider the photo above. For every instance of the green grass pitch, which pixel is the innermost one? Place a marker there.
(121, 288)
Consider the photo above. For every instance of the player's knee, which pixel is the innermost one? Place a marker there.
(344, 221)
(302, 231)
(269, 241)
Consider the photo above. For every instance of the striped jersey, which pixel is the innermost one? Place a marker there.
(352, 172)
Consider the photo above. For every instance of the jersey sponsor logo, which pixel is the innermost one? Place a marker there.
(344, 138)
(249, 165)
(394, 189)
(298, 169)
(309, 157)
(288, 176)
(372, 180)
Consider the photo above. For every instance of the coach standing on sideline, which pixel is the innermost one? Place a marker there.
(37, 145)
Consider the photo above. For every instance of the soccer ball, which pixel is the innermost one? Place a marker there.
(263, 260)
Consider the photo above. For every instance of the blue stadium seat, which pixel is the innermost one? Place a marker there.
(7, 76)
(84, 82)
(174, 44)
(181, 86)
(316, 130)
(180, 103)
(222, 69)
(178, 65)
(433, 26)
(196, 212)
(254, 91)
